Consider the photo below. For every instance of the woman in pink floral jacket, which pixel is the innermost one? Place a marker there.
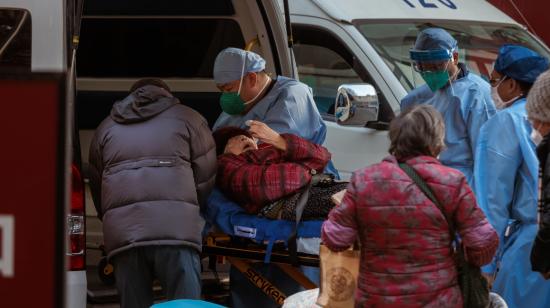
(406, 260)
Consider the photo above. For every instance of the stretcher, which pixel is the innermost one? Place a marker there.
(243, 239)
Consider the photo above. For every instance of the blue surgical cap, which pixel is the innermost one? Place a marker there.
(434, 39)
(520, 63)
(229, 64)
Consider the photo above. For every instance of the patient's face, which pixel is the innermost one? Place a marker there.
(240, 144)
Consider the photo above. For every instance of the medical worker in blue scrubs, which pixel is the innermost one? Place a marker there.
(284, 104)
(506, 178)
(249, 93)
(462, 98)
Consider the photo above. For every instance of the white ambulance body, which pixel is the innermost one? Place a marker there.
(368, 41)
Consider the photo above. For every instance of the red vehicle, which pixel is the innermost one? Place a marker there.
(529, 13)
(38, 40)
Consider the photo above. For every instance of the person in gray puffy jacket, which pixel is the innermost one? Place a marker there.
(152, 167)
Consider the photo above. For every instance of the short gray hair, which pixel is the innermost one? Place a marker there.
(538, 100)
(419, 130)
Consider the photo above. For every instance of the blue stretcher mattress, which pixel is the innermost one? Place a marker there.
(233, 220)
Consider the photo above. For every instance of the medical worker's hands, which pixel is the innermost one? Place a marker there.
(265, 134)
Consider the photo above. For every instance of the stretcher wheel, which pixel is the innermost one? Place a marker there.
(106, 272)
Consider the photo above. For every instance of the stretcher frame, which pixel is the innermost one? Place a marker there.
(242, 258)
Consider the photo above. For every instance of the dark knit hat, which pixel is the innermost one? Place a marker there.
(222, 136)
(538, 100)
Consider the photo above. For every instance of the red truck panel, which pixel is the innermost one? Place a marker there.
(534, 12)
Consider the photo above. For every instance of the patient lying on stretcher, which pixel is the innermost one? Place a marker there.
(269, 175)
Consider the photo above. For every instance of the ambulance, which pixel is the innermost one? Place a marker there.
(358, 46)
(368, 41)
(361, 43)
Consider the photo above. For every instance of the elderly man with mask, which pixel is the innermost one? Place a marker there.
(462, 98)
(249, 93)
(505, 171)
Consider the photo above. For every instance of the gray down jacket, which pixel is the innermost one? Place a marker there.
(152, 164)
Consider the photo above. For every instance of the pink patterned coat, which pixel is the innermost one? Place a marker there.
(406, 259)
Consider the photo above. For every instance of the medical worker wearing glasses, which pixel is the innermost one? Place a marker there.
(506, 178)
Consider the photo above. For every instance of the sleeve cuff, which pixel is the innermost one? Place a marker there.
(292, 143)
(489, 268)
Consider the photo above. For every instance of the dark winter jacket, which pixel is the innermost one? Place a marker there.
(152, 165)
(540, 254)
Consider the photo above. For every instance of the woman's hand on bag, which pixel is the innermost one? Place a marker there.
(265, 134)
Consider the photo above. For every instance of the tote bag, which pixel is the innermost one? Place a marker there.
(339, 272)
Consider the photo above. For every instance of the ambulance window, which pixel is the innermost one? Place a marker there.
(324, 63)
(162, 47)
(15, 40)
(324, 71)
(168, 8)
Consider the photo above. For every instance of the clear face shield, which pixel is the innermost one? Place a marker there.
(433, 66)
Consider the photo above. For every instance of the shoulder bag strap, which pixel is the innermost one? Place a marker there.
(428, 192)
(292, 241)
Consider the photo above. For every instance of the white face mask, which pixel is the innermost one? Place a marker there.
(536, 136)
(499, 103)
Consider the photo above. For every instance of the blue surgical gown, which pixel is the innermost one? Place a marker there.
(465, 105)
(287, 108)
(506, 179)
